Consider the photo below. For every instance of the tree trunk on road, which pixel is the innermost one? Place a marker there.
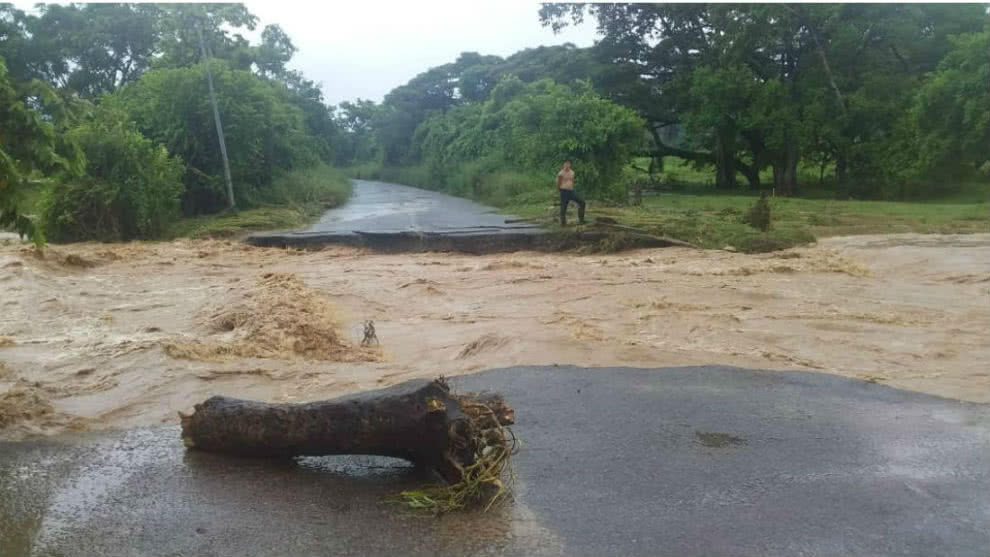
(419, 421)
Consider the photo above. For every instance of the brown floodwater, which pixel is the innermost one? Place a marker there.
(96, 336)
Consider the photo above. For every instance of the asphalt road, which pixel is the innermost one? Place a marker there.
(698, 461)
(381, 207)
(382, 215)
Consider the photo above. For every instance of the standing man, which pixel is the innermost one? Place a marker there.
(565, 183)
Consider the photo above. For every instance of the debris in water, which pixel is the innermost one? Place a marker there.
(23, 402)
(280, 318)
(487, 341)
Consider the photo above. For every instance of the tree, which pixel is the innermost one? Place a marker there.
(873, 60)
(357, 140)
(533, 127)
(405, 107)
(469, 79)
(318, 117)
(94, 48)
(178, 43)
(32, 118)
(765, 85)
(266, 133)
(143, 65)
(274, 53)
(952, 110)
(655, 48)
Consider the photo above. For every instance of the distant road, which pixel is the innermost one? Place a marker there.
(380, 207)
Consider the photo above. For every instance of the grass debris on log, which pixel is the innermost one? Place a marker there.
(483, 483)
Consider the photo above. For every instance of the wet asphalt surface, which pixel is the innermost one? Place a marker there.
(389, 209)
(679, 461)
(382, 207)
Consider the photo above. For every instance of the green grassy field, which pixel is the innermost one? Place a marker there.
(684, 205)
(716, 221)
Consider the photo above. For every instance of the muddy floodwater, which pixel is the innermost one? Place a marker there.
(96, 336)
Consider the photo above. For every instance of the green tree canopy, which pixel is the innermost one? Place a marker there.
(952, 110)
(469, 79)
(266, 133)
(766, 85)
(534, 127)
(130, 189)
(141, 66)
(32, 121)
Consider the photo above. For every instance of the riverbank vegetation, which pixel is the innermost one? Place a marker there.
(109, 129)
(109, 132)
(846, 103)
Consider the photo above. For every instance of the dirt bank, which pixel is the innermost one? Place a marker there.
(85, 330)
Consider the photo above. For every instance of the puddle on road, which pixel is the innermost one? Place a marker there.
(48, 490)
(141, 491)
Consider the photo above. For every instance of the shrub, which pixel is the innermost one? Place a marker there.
(319, 185)
(131, 187)
(763, 242)
(759, 215)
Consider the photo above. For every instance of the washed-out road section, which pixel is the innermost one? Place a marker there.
(682, 462)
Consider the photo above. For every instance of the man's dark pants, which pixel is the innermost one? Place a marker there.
(566, 196)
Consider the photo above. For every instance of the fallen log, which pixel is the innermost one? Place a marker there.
(419, 421)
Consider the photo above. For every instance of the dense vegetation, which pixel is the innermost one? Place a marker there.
(130, 189)
(529, 127)
(106, 109)
(850, 100)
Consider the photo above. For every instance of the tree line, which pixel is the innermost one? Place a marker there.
(104, 108)
(106, 105)
(880, 101)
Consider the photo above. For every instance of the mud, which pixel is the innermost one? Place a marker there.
(100, 344)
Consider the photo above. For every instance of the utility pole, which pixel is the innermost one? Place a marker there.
(216, 118)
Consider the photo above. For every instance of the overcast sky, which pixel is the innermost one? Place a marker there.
(365, 49)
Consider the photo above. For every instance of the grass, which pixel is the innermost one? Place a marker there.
(715, 221)
(226, 225)
(690, 209)
(296, 199)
